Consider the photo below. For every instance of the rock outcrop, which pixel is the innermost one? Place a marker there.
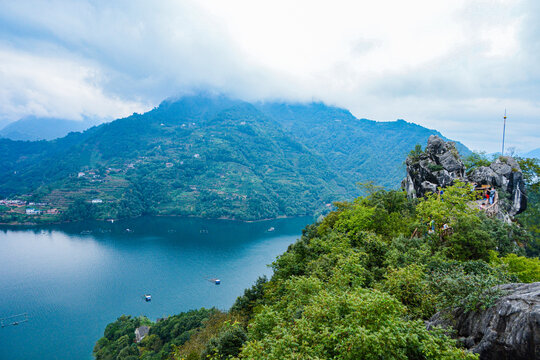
(508, 330)
(504, 174)
(440, 165)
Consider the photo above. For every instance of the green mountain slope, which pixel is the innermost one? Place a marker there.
(209, 156)
(213, 158)
(359, 149)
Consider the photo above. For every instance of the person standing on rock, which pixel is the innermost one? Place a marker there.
(492, 195)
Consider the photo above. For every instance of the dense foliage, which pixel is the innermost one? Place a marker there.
(359, 283)
(359, 149)
(531, 218)
(206, 156)
(118, 341)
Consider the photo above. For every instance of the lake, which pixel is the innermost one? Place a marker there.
(74, 279)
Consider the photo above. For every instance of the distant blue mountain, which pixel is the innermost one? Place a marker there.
(43, 128)
(533, 154)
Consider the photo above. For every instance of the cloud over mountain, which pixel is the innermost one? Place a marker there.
(450, 65)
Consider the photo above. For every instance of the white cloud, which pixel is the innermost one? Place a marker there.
(55, 87)
(449, 65)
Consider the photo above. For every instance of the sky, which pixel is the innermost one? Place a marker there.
(452, 65)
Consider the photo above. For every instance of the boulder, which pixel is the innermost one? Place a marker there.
(484, 175)
(508, 330)
(504, 174)
(437, 167)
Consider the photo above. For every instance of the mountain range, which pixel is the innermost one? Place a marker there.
(210, 156)
(44, 128)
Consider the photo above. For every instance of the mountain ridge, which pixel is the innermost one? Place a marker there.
(209, 156)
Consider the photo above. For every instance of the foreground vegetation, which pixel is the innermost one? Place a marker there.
(356, 285)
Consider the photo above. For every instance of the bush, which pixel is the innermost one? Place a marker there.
(526, 270)
(434, 167)
(469, 285)
(314, 321)
(227, 344)
(410, 286)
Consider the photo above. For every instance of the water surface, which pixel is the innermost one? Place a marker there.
(73, 279)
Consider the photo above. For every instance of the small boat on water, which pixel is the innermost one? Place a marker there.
(215, 281)
(271, 229)
(148, 297)
(86, 232)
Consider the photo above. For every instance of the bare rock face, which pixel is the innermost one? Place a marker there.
(504, 174)
(508, 330)
(438, 166)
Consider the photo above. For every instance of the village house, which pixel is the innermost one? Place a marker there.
(97, 201)
(32, 211)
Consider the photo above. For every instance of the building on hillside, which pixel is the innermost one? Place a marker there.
(81, 174)
(97, 201)
(32, 211)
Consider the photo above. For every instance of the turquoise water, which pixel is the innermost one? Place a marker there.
(74, 279)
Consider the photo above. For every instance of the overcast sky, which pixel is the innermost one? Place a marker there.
(449, 65)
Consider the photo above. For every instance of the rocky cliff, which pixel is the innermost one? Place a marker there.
(440, 165)
(508, 330)
(505, 174)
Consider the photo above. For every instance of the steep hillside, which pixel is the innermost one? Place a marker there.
(205, 155)
(210, 157)
(361, 150)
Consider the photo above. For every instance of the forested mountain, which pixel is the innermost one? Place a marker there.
(209, 156)
(359, 149)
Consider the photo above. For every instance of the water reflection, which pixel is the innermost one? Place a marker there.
(73, 279)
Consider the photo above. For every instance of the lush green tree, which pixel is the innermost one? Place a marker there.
(227, 344)
(320, 322)
(475, 160)
(410, 285)
(526, 270)
(252, 297)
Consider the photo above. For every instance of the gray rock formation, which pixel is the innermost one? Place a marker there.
(440, 165)
(504, 174)
(437, 167)
(508, 330)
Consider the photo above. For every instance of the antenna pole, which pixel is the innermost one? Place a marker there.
(504, 130)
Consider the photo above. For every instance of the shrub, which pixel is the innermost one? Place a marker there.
(434, 167)
(526, 270)
(468, 285)
(410, 286)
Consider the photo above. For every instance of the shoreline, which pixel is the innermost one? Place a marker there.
(32, 224)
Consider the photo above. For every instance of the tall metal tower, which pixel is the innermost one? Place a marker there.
(504, 130)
